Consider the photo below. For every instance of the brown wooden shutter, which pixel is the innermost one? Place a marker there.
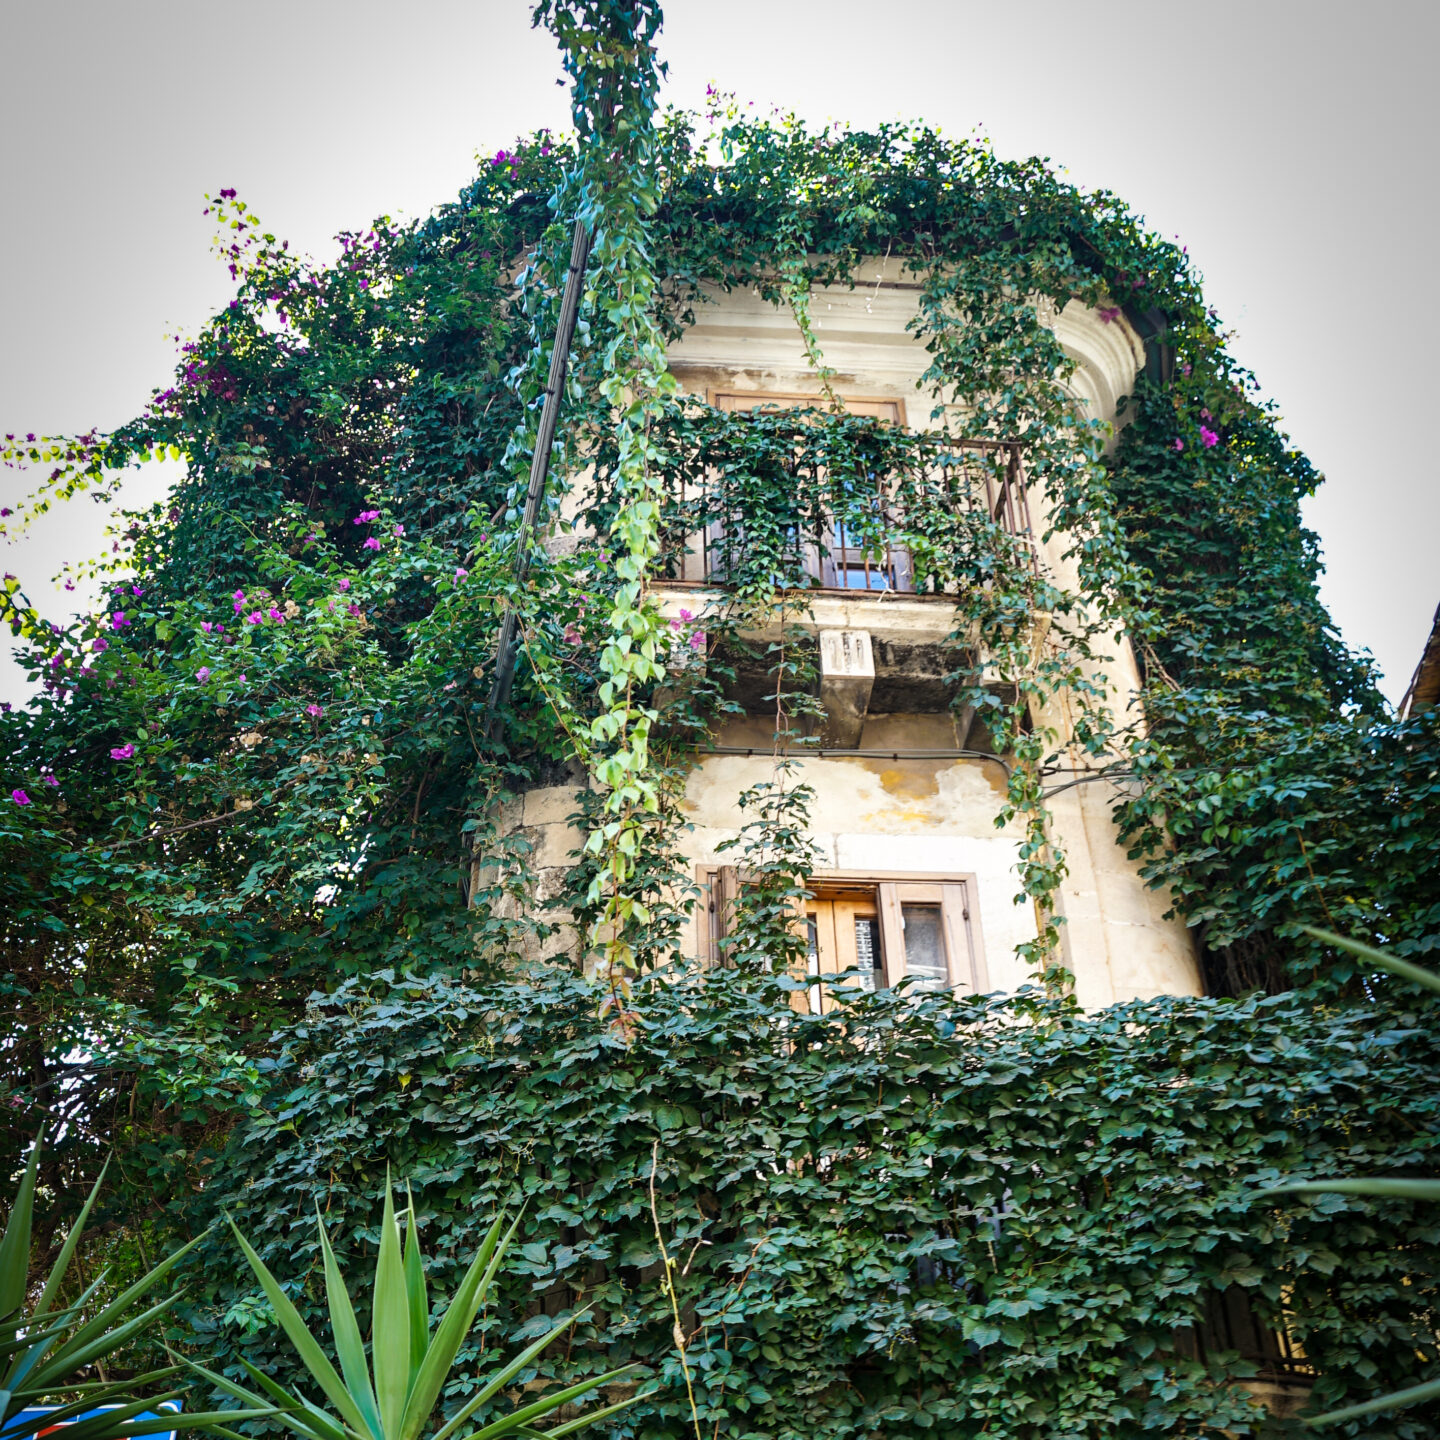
(964, 968)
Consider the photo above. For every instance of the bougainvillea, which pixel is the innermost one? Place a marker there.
(260, 770)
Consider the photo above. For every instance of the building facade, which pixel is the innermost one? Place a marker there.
(914, 877)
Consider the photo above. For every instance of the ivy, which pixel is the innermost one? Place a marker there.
(917, 1214)
(258, 779)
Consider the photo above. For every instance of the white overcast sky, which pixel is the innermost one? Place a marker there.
(1291, 146)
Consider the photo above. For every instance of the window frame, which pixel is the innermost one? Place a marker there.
(888, 890)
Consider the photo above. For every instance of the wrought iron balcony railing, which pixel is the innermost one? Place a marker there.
(919, 518)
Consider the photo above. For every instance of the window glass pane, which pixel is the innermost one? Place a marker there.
(924, 946)
(867, 950)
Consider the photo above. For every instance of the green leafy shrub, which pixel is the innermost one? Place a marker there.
(915, 1217)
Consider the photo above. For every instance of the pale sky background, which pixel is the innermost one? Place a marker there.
(1291, 146)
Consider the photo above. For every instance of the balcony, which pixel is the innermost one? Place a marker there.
(860, 532)
(919, 527)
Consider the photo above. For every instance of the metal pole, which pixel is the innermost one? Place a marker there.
(505, 653)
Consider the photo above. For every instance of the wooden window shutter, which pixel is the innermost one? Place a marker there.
(720, 886)
(926, 932)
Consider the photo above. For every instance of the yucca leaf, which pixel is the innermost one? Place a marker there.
(390, 1326)
(1416, 1393)
(1403, 968)
(15, 1247)
(54, 1371)
(314, 1357)
(523, 1416)
(284, 1404)
(1400, 1188)
(571, 1426)
(304, 1417)
(454, 1326)
(415, 1292)
(128, 1297)
(56, 1277)
(500, 1378)
(348, 1342)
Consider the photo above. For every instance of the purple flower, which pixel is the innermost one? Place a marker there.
(49, 780)
(122, 752)
(203, 674)
(314, 710)
(1179, 445)
(1208, 438)
(686, 615)
(366, 516)
(136, 590)
(19, 797)
(274, 614)
(572, 636)
(352, 609)
(1109, 314)
(674, 624)
(118, 620)
(239, 598)
(242, 679)
(254, 618)
(372, 544)
(343, 585)
(460, 575)
(697, 640)
(399, 531)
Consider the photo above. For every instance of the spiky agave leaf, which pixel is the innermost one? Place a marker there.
(45, 1351)
(395, 1395)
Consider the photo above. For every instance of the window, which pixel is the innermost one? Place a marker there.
(888, 928)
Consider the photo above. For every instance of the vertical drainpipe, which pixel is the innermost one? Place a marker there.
(505, 653)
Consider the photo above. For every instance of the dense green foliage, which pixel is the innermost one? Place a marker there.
(915, 1217)
(257, 779)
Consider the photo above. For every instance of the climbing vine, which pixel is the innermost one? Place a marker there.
(255, 800)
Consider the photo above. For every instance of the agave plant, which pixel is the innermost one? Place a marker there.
(1404, 1188)
(47, 1351)
(392, 1394)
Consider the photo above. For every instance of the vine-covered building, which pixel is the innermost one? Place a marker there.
(911, 876)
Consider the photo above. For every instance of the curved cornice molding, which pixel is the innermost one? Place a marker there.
(1108, 353)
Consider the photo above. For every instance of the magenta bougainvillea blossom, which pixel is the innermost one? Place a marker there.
(122, 752)
(352, 609)
(372, 544)
(49, 780)
(315, 710)
(399, 531)
(366, 516)
(19, 797)
(1179, 444)
(1208, 437)
(206, 626)
(343, 585)
(118, 620)
(203, 674)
